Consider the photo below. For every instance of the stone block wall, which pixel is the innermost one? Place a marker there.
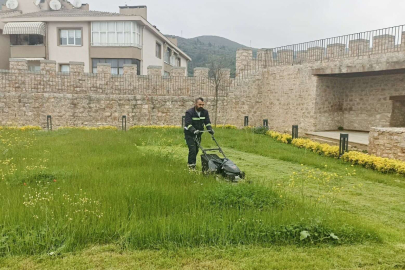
(201, 72)
(387, 143)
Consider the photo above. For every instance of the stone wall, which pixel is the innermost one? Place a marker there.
(387, 143)
(80, 99)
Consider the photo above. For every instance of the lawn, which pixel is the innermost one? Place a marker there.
(110, 199)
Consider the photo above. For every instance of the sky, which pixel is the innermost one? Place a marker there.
(265, 23)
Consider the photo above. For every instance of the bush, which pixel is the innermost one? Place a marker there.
(261, 130)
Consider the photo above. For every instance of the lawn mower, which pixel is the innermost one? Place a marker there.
(213, 164)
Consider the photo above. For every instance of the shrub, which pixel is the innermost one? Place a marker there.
(24, 128)
(226, 126)
(384, 165)
(261, 130)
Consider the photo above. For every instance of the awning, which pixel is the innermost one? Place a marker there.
(32, 28)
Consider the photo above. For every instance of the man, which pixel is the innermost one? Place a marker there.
(196, 118)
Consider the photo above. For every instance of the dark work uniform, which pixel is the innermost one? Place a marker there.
(194, 122)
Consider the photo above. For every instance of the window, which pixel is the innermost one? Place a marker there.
(158, 50)
(117, 65)
(34, 68)
(26, 40)
(70, 37)
(166, 74)
(125, 33)
(168, 54)
(65, 68)
(178, 62)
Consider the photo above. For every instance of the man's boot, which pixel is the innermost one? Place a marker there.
(191, 167)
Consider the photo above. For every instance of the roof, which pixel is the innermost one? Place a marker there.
(69, 13)
(9, 13)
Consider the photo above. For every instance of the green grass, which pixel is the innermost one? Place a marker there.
(130, 192)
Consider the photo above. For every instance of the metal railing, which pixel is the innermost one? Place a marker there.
(379, 41)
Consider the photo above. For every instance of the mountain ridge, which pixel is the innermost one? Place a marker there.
(208, 49)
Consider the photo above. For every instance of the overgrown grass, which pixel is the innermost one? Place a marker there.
(67, 190)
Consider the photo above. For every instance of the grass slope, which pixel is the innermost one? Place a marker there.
(377, 206)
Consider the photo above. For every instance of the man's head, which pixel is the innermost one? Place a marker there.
(199, 104)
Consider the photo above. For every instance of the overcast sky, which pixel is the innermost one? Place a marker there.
(265, 23)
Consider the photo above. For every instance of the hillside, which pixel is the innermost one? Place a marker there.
(207, 49)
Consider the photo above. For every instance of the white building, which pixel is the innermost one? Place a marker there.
(37, 32)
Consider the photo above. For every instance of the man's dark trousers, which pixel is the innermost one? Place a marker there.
(192, 148)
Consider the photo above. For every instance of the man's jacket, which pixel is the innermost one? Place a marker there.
(194, 122)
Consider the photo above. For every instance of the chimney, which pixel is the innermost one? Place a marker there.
(172, 40)
(135, 10)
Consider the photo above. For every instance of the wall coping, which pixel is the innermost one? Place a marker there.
(48, 62)
(17, 60)
(76, 63)
(154, 67)
(388, 129)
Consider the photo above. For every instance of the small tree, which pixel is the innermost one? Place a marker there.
(218, 75)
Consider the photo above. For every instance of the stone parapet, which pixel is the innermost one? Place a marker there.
(48, 67)
(387, 143)
(244, 58)
(285, 56)
(383, 43)
(18, 65)
(130, 69)
(154, 70)
(104, 68)
(76, 67)
(201, 72)
(336, 50)
(359, 47)
(178, 72)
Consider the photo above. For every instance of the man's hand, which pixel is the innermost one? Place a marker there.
(211, 131)
(196, 132)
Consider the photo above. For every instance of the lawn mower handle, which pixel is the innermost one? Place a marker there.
(213, 138)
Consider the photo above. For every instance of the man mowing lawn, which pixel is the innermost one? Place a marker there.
(196, 118)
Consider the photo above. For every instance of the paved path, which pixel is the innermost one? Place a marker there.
(354, 136)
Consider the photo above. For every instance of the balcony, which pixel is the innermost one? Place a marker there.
(28, 51)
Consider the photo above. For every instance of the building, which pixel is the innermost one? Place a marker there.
(77, 34)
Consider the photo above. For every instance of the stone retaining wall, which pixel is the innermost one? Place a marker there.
(387, 142)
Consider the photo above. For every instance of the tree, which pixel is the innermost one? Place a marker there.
(219, 75)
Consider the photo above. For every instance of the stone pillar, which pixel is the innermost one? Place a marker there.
(201, 72)
(76, 68)
(285, 56)
(383, 43)
(155, 71)
(103, 71)
(336, 50)
(301, 56)
(103, 68)
(244, 59)
(130, 69)
(359, 47)
(48, 67)
(403, 41)
(315, 53)
(18, 65)
(178, 72)
(265, 57)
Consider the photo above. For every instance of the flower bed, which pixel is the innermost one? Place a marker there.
(384, 165)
